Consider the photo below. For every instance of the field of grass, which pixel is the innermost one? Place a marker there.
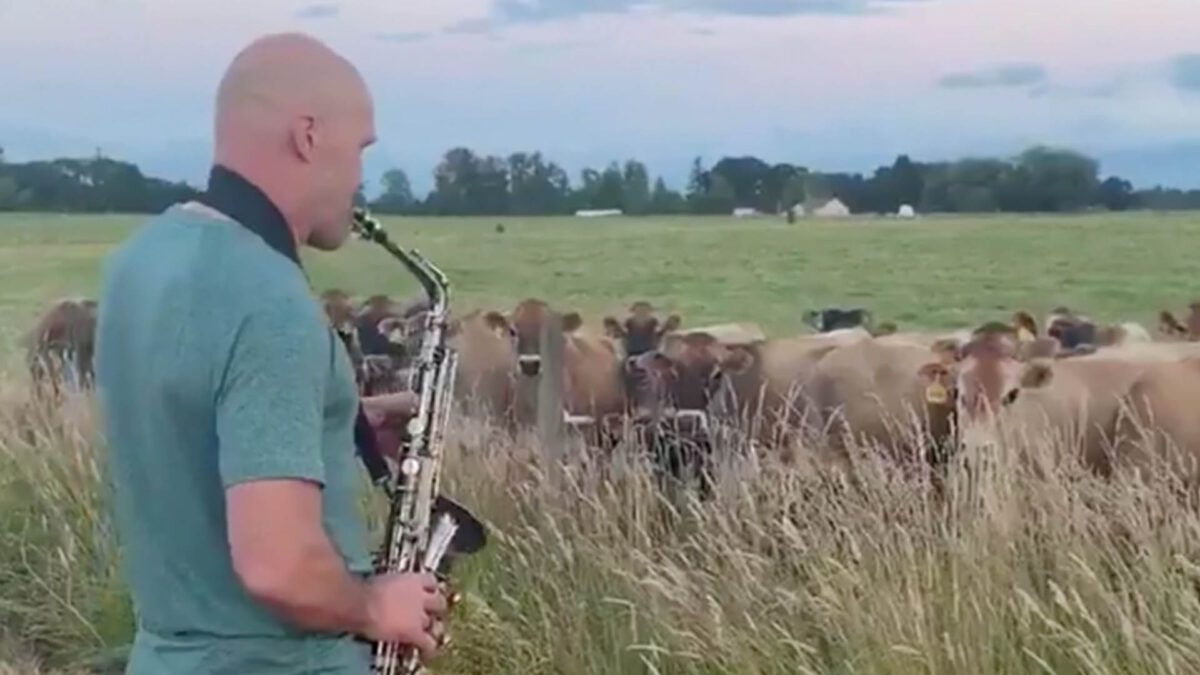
(591, 571)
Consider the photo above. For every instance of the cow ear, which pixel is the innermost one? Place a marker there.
(571, 322)
(496, 321)
(1036, 375)
(737, 360)
(948, 350)
(673, 323)
(613, 328)
(886, 328)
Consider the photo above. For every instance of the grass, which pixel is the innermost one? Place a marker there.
(591, 570)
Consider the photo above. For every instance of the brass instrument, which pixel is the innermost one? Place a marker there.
(422, 525)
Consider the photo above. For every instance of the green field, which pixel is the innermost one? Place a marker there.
(594, 572)
(934, 272)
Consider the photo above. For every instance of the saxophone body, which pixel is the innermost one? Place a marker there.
(422, 525)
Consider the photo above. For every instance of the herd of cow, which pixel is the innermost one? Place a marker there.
(849, 383)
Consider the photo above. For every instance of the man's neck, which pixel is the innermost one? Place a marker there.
(236, 196)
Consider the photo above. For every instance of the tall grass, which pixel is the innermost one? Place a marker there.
(593, 569)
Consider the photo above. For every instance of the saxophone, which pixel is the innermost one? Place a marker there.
(422, 525)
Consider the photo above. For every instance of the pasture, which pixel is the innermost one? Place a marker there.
(592, 572)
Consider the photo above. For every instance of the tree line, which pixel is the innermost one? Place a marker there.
(1040, 179)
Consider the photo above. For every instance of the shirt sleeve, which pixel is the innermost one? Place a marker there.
(270, 402)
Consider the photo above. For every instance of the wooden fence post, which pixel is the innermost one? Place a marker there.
(549, 390)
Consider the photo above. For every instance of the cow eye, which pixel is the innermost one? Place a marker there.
(1011, 397)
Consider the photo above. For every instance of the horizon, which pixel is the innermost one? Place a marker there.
(833, 85)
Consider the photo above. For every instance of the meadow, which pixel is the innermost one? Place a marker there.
(591, 570)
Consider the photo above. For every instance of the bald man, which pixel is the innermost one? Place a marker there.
(230, 405)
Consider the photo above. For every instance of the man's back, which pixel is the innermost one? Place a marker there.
(214, 367)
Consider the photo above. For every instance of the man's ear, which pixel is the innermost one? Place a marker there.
(302, 137)
(613, 328)
(1036, 375)
(571, 322)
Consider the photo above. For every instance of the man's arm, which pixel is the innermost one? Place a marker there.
(270, 406)
(285, 560)
(269, 425)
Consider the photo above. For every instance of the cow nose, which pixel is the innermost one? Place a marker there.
(531, 364)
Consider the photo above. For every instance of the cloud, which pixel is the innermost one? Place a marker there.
(470, 27)
(322, 10)
(1185, 72)
(1005, 75)
(401, 38)
(526, 11)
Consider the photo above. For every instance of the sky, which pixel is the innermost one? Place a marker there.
(828, 84)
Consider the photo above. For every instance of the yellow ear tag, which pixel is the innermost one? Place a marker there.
(1024, 335)
(935, 393)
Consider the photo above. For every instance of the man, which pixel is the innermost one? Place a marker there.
(229, 404)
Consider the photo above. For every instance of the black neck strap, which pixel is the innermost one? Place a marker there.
(232, 194)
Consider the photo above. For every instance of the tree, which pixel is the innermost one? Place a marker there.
(1116, 194)
(665, 200)
(397, 196)
(635, 187)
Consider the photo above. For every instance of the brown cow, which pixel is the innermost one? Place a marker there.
(890, 393)
(593, 386)
(1162, 419)
(641, 331)
(753, 385)
(486, 378)
(1000, 391)
(1174, 328)
(59, 348)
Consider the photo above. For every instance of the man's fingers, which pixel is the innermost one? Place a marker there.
(436, 604)
(428, 646)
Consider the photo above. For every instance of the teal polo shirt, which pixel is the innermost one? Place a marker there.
(215, 366)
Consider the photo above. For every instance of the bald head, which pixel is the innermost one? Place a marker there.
(293, 117)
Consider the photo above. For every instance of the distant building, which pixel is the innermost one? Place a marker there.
(744, 212)
(906, 211)
(834, 208)
(598, 213)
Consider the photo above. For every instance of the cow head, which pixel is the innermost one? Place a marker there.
(526, 322)
(339, 310)
(990, 372)
(685, 373)
(641, 331)
(1025, 325)
(834, 318)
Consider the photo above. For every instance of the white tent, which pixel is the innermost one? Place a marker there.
(906, 211)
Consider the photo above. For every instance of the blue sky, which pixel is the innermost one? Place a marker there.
(830, 84)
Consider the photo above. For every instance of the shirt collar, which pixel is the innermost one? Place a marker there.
(232, 194)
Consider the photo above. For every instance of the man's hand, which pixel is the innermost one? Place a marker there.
(387, 415)
(409, 609)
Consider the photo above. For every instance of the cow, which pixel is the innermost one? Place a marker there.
(1174, 328)
(641, 331)
(1077, 399)
(60, 346)
(340, 312)
(1074, 331)
(891, 393)
(832, 318)
(750, 385)
(486, 380)
(1162, 420)
(593, 385)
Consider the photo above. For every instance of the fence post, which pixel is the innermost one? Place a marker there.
(549, 391)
